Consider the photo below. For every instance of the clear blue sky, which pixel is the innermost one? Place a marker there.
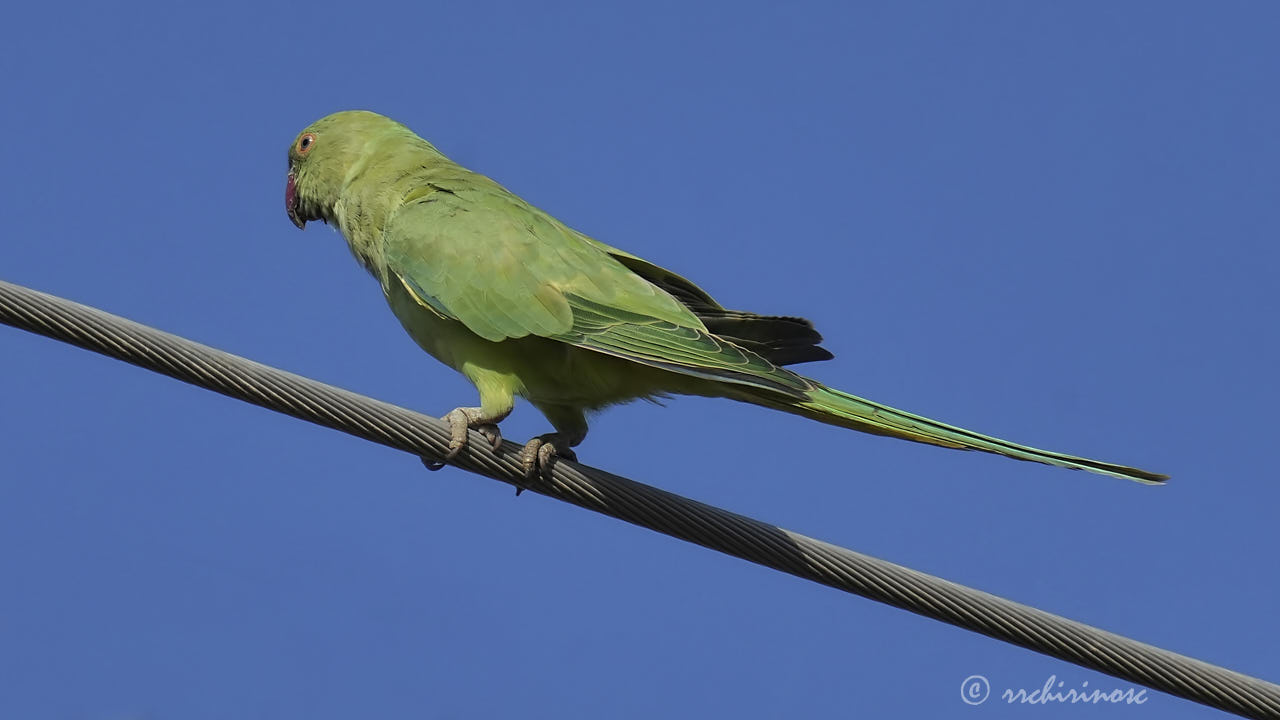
(1051, 221)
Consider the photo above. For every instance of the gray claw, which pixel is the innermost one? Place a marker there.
(458, 424)
(492, 434)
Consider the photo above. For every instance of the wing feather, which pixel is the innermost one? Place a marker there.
(507, 270)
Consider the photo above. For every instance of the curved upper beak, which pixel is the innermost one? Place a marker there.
(291, 201)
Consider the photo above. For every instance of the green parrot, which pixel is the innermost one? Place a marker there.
(521, 304)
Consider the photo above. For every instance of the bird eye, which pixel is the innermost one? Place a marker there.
(305, 142)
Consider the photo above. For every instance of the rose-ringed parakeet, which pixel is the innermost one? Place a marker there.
(522, 304)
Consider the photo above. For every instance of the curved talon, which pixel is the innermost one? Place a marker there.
(492, 434)
(458, 424)
(529, 456)
(547, 457)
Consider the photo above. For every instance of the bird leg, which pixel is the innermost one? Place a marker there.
(468, 418)
(540, 453)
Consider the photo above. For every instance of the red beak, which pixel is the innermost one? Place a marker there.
(291, 201)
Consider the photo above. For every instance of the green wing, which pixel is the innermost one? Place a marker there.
(780, 339)
(505, 269)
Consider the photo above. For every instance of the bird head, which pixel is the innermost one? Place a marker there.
(320, 160)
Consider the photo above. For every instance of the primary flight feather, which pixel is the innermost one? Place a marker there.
(523, 305)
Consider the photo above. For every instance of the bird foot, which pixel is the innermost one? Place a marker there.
(460, 420)
(539, 455)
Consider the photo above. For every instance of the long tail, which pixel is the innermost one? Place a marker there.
(836, 408)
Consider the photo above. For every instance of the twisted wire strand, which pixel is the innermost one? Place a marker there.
(642, 505)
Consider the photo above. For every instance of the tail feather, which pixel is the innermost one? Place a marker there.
(837, 408)
(779, 339)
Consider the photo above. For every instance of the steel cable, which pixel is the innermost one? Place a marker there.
(643, 505)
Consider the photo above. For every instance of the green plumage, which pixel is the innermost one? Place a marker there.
(525, 306)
